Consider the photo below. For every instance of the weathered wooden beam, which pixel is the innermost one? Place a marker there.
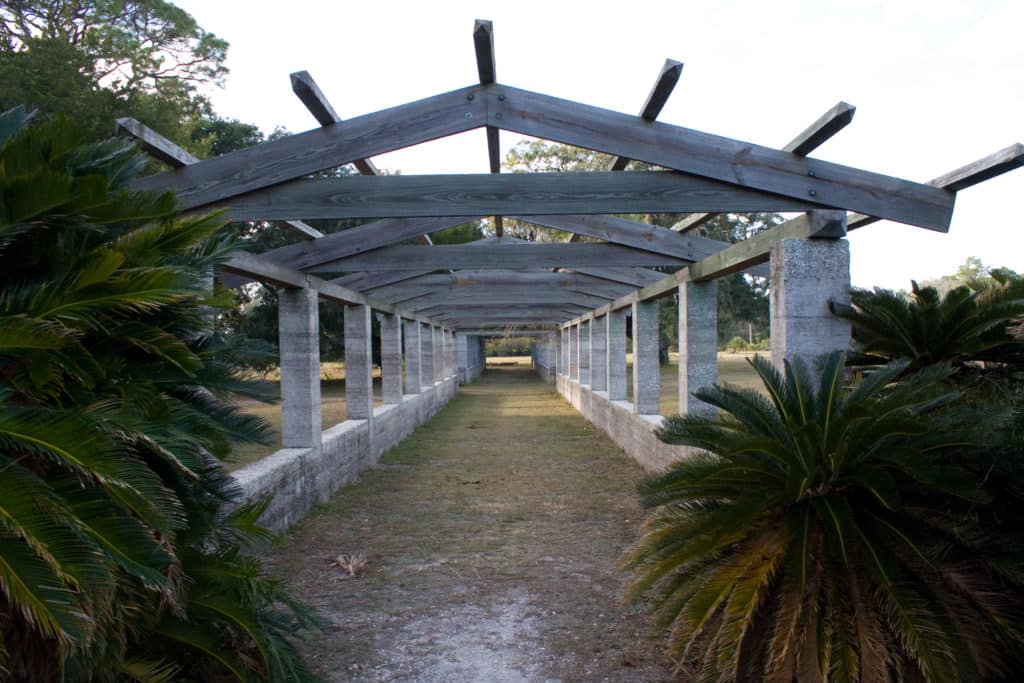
(320, 107)
(816, 224)
(636, 277)
(361, 238)
(252, 266)
(812, 137)
(819, 132)
(995, 164)
(506, 256)
(476, 280)
(296, 156)
(635, 234)
(489, 194)
(656, 99)
(732, 161)
(483, 41)
(499, 297)
(174, 156)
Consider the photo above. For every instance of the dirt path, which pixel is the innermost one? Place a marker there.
(492, 536)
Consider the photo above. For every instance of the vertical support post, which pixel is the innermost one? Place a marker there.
(554, 365)
(299, 339)
(453, 360)
(806, 274)
(585, 352)
(438, 353)
(563, 338)
(427, 355)
(462, 342)
(391, 357)
(599, 354)
(616, 358)
(413, 357)
(698, 344)
(358, 363)
(646, 382)
(574, 352)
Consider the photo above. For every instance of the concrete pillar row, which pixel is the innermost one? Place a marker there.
(426, 355)
(805, 275)
(698, 344)
(599, 354)
(391, 357)
(358, 362)
(299, 341)
(646, 382)
(584, 328)
(615, 365)
(413, 357)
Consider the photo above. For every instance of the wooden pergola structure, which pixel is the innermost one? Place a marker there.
(572, 290)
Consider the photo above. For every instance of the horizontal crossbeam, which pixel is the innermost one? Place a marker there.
(490, 194)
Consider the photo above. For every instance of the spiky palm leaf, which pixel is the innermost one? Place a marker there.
(111, 504)
(826, 532)
(966, 325)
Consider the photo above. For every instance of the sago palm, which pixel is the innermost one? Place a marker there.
(966, 325)
(112, 379)
(825, 532)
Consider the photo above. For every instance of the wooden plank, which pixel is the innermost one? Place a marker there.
(295, 156)
(513, 193)
(320, 107)
(506, 256)
(366, 281)
(812, 137)
(499, 280)
(359, 239)
(483, 42)
(823, 224)
(656, 99)
(636, 277)
(171, 154)
(816, 134)
(732, 161)
(499, 297)
(995, 164)
(252, 266)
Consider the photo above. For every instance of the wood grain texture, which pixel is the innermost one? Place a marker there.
(812, 137)
(500, 296)
(656, 99)
(483, 44)
(492, 194)
(506, 256)
(732, 161)
(295, 156)
(166, 151)
(359, 239)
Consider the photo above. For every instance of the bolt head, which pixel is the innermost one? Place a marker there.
(470, 97)
(813, 193)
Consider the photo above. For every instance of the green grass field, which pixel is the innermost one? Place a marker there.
(733, 369)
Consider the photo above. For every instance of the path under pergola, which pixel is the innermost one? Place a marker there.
(437, 302)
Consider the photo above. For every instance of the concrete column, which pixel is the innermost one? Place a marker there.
(453, 360)
(646, 383)
(615, 362)
(574, 352)
(554, 366)
(599, 354)
(805, 275)
(413, 357)
(698, 344)
(563, 340)
(358, 363)
(391, 357)
(299, 339)
(438, 353)
(426, 355)
(585, 352)
(462, 343)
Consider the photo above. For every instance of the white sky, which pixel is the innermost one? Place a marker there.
(936, 83)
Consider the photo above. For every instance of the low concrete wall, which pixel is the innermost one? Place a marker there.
(634, 433)
(299, 478)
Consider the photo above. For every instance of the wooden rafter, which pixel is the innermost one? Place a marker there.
(812, 137)
(483, 43)
(656, 99)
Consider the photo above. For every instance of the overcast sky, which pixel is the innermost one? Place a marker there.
(936, 83)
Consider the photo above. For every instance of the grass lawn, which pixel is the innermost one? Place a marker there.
(732, 369)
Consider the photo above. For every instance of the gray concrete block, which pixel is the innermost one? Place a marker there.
(299, 341)
(646, 380)
(615, 325)
(358, 363)
(698, 344)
